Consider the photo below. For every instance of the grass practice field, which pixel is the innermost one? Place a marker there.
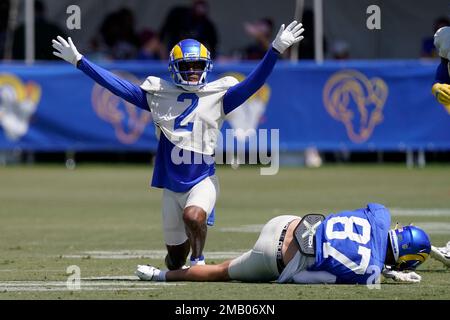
(106, 220)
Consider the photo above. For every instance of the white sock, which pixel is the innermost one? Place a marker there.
(200, 261)
(197, 262)
(160, 275)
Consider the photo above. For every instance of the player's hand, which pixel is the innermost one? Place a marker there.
(442, 93)
(408, 277)
(287, 37)
(66, 50)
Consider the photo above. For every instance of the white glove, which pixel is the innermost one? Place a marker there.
(442, 254)
(287, 37)
(442, 42)
(409, 277)
(66, 50)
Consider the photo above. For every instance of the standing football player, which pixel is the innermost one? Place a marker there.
(188, 112)
(441, 87)
(349, 247)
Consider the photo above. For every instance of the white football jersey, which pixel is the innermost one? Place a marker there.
(190, 120)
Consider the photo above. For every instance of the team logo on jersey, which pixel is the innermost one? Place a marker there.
(249, 115)
(128, 121)
(18, 102)
(356, 101)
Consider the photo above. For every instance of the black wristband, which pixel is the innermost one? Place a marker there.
(276, 50)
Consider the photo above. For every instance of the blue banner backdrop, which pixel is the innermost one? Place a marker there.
(353, 105)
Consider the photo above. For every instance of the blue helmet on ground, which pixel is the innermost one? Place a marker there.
(189, 64)
(410, 246)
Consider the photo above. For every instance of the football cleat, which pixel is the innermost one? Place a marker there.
(147, 272)
(442, 254)
(410, 246)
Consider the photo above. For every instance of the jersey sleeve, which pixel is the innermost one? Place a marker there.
(120, 87)
(239, 93)
(442, 72)
(380, 216)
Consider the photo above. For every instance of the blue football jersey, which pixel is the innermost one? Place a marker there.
(352, 244)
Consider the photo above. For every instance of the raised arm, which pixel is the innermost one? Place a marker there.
(120, 87)
(126, 90)
(237, 94)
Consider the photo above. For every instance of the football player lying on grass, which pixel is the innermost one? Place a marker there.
(349, 247)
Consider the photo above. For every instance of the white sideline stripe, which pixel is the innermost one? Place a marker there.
(435, 227)
(431, 212)
(117, 278)
(247, 228)
(431, 227)
(135, 285)
(399, 212)
(86, 283)
(44, 289)
(148, 254)
(31, 270)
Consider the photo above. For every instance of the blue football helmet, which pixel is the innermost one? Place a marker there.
(410, 246)
(189, 57)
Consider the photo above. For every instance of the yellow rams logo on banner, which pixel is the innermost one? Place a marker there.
(248, 116)
(18, 102)
(128, 122)
(356, 101)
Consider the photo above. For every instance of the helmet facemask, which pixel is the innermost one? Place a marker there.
(191, 74)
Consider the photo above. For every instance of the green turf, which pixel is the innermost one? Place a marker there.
(48, 213)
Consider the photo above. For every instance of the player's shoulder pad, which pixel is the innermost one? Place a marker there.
(152, 84)
(224, 83)
(230, 81)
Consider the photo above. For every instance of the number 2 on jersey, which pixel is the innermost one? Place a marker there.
(363, 238)
(194, 104)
